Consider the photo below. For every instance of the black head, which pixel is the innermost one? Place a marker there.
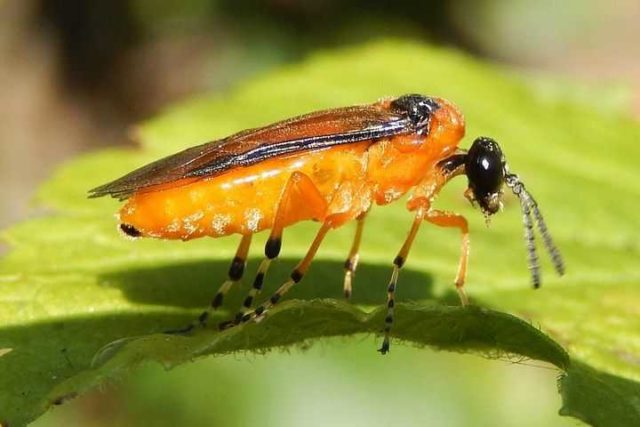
(487, 172)
(418, 108)
(485, 169)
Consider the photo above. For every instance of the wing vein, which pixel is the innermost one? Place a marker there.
(314, 131)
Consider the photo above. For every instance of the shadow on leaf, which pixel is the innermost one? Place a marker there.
(193, 284)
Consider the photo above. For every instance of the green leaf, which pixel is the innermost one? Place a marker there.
(597, 398)
(79, 304)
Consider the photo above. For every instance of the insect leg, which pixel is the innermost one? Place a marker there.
(351, 263)
(272, 250)
(450, 219)
(300, 200)
(332, 215)
(236, 270)
(296, 275)
(398, 262)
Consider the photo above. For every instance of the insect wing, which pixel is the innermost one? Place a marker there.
(313, 131)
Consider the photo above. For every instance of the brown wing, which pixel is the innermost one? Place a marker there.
(313, 131)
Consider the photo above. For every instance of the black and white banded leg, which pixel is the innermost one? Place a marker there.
(236, 271)
(296, 276)
(398, 263)
(271, 252)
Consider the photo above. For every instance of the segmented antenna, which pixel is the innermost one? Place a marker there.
(532, 256)
(556, 257)
(530, 208)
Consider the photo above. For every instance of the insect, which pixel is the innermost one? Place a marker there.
(331, 167)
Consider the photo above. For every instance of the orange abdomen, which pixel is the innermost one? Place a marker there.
(243, 200)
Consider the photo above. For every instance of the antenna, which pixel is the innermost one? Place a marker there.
(531, 212)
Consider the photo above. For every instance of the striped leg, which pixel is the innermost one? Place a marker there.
(351, 263)
(271, 252)
(398, 262)
(450, 219)
(296, 275)
(300, 200)
(236, 270)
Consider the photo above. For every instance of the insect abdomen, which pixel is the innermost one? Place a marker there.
(241, 201)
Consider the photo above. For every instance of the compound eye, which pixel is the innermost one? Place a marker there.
(484, 167)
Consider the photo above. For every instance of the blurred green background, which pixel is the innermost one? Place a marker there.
(76, 75)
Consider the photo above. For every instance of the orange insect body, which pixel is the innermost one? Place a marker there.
(348, 178)
(329, 166)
